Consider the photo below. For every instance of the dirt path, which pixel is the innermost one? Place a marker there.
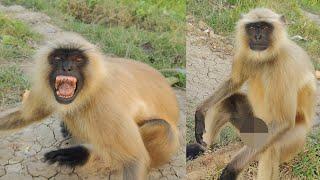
(209, 58)
(21, 153)
(313, 17)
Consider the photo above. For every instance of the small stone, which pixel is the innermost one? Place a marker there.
(298, 38)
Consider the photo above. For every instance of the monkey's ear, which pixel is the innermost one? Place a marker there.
(283, 19)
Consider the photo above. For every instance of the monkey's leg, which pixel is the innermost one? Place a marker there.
(161, 140)
(215, 119)
(286, 147)
(235, 109)
(228, 88)
(120, 145)
(32, 109)
(233, 169)
(248, 154)
(269, 161)
(240, 114)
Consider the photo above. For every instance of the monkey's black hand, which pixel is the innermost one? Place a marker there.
(194, 150)
(74, 156)
(199, 127)
(64, 130)
(228, 173)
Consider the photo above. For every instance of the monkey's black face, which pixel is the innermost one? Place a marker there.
(259, 34)
(66, 77)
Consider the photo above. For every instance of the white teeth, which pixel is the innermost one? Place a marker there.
(63, 79)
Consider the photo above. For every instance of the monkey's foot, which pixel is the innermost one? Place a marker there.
(71, 157)
(64, 130)
(228, 173)
(194, 150)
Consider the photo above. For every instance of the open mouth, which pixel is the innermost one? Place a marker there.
(65, 86)
(258, 47)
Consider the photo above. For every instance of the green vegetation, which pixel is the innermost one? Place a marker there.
(12, 84)
(148, 31)
(222, 15)
(15, 39)
(311, 5)
(307, 164)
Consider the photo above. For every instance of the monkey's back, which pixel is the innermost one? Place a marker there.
(142, 90)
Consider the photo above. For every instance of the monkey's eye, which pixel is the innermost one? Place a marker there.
(57, 58)
(78, 59)
(251, 28)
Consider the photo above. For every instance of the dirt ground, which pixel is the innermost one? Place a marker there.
(209, 58)
(21, 154)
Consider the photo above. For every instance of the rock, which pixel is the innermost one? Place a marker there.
(298, 38)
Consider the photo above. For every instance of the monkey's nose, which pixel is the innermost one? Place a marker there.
(258, 37)
(67, 69)
(67, 66)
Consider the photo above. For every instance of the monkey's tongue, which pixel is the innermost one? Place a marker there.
(65, 86)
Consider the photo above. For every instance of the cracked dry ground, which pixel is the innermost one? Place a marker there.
(209, 59)
(21, 153)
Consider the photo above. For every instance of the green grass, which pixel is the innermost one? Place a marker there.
(307, 164)
(227, 135)
(16, 39)
(16, 43)
(12, 84)
(148, 31)
(311, 5)
(222, 15)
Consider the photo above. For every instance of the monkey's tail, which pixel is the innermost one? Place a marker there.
(161, 140)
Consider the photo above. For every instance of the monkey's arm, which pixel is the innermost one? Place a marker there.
(32, 109)
(239, 75)
(277, 129)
